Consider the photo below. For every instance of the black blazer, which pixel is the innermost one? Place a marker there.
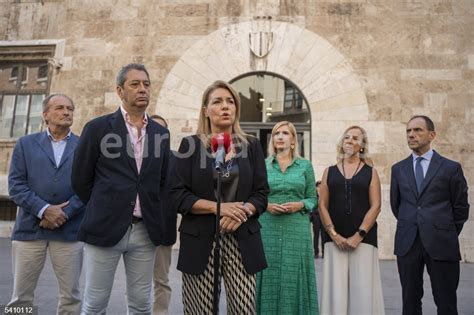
(169, 213)
(105, 177)
(194, 181)
(437, 213)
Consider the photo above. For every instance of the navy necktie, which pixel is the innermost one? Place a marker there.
(419, 173)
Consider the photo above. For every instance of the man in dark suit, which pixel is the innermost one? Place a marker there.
(428, 195)
(119, 171)
(50, 213)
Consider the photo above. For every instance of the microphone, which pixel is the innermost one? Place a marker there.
(220, 144)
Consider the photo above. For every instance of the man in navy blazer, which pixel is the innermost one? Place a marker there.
(119, 171)
(50, 212)
(428, 195)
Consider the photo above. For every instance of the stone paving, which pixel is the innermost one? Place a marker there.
(46, 292)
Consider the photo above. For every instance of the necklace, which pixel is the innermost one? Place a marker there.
(226, 171)
(348, 187)
(355, 172)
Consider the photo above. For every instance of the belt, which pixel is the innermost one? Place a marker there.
(136, 219)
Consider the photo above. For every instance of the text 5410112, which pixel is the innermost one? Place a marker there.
(18, 310)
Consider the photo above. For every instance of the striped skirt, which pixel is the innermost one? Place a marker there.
(198, 290)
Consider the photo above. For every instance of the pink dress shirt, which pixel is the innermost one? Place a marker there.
(136, 139)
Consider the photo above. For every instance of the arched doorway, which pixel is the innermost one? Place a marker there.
(330, 86)
(268, 98)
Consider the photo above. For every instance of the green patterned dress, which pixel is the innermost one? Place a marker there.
(288, 285)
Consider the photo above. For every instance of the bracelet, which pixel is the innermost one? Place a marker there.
(328, 226)
(332, 232)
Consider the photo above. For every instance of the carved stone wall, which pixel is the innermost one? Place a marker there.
(370, 63)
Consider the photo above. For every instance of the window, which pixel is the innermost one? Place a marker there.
(293, 99)
(13, 74)
(267, 98)
(288, 98)
(43, 73)
(22, 90)
(25, 76)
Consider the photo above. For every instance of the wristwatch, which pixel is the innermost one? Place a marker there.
(362, 233)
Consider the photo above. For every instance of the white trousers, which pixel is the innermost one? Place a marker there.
(351, 281)
(28, 259)
(161, 283)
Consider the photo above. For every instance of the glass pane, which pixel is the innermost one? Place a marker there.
(24, 73)
(288, 98)
(8, 103)
(21, 112)
(8, 77)
(36, 114)
(43, 72)
(14, 72)
(268, 98)
(299, 101)
(35, 77)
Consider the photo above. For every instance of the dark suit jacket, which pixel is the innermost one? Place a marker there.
(35, 181)
(169, 213)
(437, 213)
(194, 181)
(105, 177)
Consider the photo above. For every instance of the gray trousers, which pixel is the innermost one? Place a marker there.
(138, 254)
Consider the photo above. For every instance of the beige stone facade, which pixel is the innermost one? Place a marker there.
(372, 63)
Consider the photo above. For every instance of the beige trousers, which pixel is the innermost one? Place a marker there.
(351, 281)
(28, 259)
(161, 286)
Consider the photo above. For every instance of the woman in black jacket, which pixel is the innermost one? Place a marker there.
(244, 198)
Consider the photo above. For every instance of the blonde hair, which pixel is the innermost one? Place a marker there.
(204, 125)
(294, 148)
(364, 146)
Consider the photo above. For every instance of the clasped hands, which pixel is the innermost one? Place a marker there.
(288, 207)
(347, 244)
(233, 214)
(54, 216)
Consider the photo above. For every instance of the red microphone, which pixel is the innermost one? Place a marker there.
(220, 144)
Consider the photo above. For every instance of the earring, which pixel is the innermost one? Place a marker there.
(292, 146)
(361, 150)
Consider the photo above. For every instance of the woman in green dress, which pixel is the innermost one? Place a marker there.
(288, 285)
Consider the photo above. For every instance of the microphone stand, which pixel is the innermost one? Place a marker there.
(217, 239)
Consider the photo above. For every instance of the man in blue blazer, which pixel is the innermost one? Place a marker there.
(428, 195)
(119, 171)
(50, 213)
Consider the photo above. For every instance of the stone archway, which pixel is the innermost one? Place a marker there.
(323, 74)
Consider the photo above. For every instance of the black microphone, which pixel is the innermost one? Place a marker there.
(220, 144)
